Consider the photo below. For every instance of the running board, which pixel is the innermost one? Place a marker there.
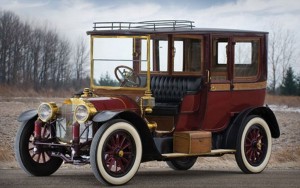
(217, 152)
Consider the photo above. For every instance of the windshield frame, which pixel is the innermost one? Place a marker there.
(94, 86)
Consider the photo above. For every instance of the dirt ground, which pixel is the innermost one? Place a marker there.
(285, 151)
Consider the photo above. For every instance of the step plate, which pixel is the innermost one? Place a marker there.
(212, 153)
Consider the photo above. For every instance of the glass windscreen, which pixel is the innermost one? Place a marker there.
(117, 61)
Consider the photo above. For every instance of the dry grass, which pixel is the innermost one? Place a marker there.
(13, 91)
(290, 101)
(5, 155)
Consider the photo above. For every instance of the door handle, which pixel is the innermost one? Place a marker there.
(208, 77)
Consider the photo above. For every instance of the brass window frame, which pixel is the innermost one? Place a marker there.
(93, 86)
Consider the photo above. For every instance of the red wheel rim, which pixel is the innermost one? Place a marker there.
(118, 154)
(256, 145)
(38, 153)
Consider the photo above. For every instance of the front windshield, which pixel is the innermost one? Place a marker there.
(116, 61)
(123, 61)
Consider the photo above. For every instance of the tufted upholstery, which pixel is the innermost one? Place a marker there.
(169, 92)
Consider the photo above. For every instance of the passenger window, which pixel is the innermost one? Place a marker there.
(163, 55)
(220, 61)
(158, 55)
(222, 55)
(187, 55)
(178, 55)
(246, 56)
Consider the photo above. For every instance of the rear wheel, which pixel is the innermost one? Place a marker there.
(116, 152)
(254, 145)
(182, 163)
(37, 162)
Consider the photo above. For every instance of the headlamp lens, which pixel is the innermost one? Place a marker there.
(81, 113)
(45, 112)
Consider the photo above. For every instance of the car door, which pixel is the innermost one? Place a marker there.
(217, 114)
(249, 81)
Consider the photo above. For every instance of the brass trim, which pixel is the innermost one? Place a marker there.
(220, 87)
(152, 125)
(92, 84)
(114, 88)
(250, 86)
(54, 110)
(238, 86)
(90, 109)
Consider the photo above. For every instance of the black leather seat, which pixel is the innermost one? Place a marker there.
(169, 92)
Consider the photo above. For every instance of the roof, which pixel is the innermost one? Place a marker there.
(157, 27)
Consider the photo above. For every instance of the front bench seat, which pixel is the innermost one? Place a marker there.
(169, 92)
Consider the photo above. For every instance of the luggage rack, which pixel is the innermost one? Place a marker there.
(150, 25)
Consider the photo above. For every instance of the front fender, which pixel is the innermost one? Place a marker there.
(27, 115)
(105, 116)
(150, 151)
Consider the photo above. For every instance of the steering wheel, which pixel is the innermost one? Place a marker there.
(127, 77)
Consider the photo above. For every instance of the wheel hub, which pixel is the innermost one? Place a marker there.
(119, 153)
(257, 144)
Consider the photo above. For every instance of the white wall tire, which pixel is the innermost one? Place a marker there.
(254, 145)
(116, 153)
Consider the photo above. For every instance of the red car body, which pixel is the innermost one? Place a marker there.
(179, 93)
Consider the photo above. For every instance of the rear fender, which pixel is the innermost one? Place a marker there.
(27, 115)
(264, 112)
(150, 151)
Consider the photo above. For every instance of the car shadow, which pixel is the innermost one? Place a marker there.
(156, 177)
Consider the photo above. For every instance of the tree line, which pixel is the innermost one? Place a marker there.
(38, 57)
(281, 55)
(290, 84)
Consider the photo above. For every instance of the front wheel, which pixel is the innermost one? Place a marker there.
(182, 163)
(254, 143)
(116, 152)
(37, 163)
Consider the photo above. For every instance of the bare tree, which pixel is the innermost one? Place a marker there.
(7, 20)
(35, 51)
(63, 56)
(80, 60)
(37, 56)
(281, 52)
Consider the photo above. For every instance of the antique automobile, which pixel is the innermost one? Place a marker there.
(159, 91)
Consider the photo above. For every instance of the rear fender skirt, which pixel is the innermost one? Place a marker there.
(150, 152)
(27, 115)
(264, 112)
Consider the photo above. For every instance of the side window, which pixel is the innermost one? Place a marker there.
(187, 55)
(220, 63)
(158, 55)
(246, 58)
(162, 57)
(178, 55)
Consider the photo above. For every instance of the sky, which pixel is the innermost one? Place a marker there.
(72, 18)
